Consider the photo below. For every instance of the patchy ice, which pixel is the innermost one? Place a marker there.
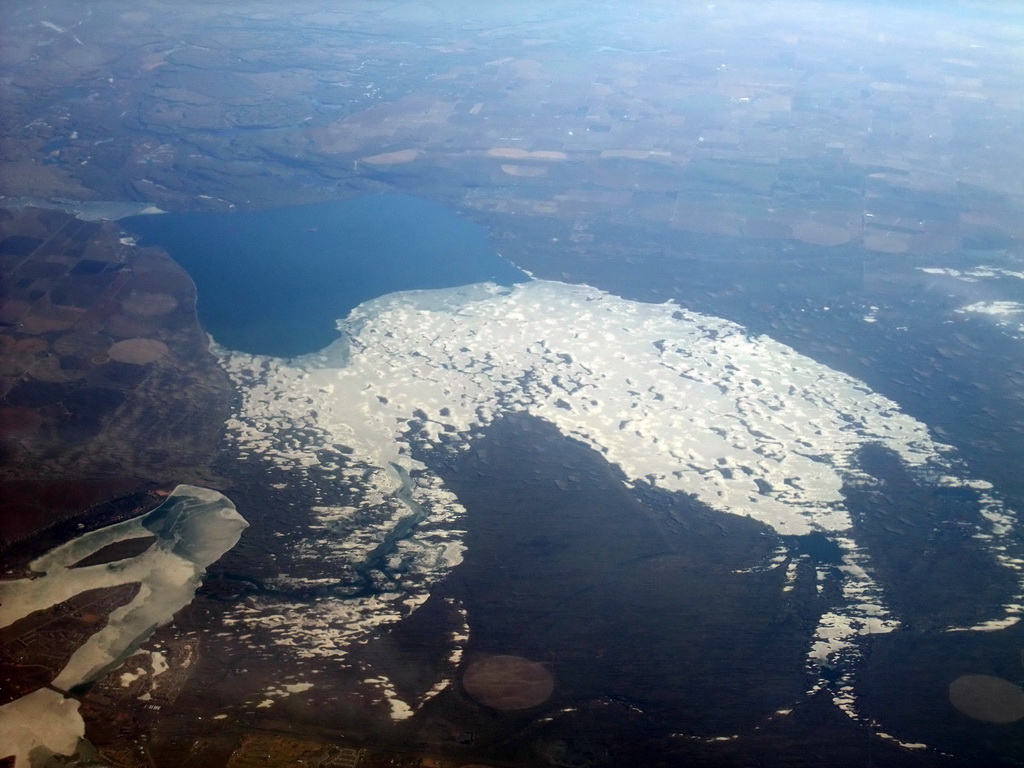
(1008, 315)
(683, 401)
(688, 402)
(1004, 312)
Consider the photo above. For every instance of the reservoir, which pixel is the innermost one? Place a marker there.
(275, 282)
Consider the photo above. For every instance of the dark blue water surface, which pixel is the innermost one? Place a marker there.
(275, 282)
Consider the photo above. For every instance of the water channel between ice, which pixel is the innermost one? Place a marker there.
(403, 528)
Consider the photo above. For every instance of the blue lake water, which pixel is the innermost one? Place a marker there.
(274, 282)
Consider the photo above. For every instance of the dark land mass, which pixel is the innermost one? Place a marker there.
(106, 384)
(119, 550)
(951, 580)
(33, 650)
(906, 679)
